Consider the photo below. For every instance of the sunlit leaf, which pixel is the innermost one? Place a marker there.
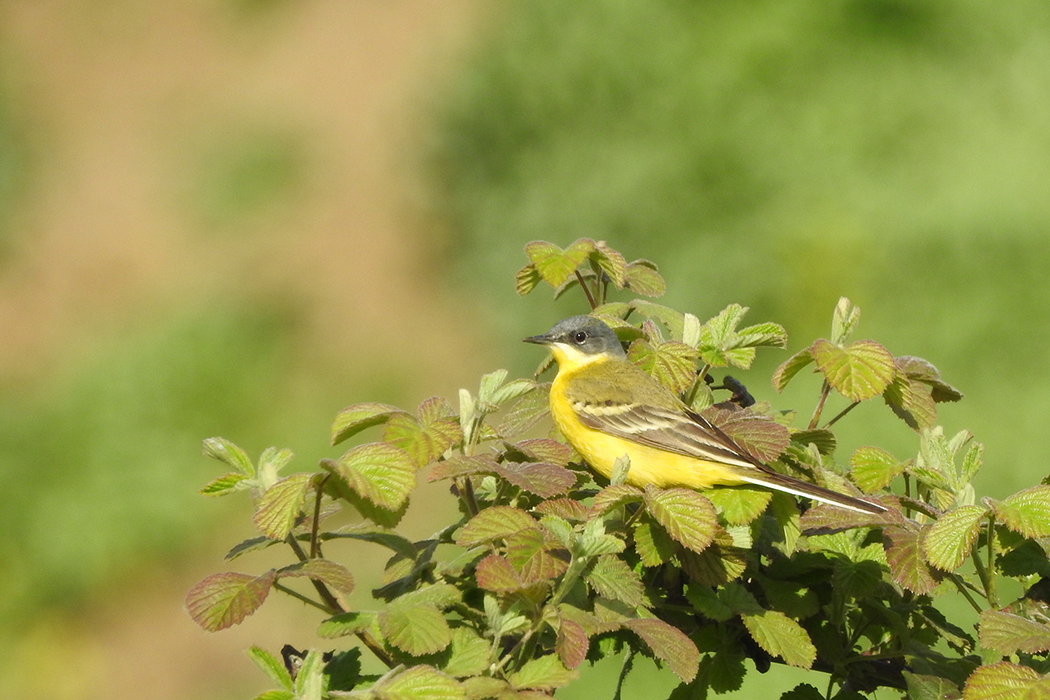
(526, 279)
(858, 371)
(790, 367)
(555, 265)
(904, 556)
(781, 636)
(326, 571)
(669, 645)
(353, 419)
(534, 558)
(567, 508)
(672, 363)
(377, 471)
(494, 523)
(271, 666)
(926, 687)
(739, 505)
(224, 485)
(923, 371)
(613, 497)
(571, 643)
(1008, 633)
(652, 543)
(420, 683)
(494, 573)
(229, 454)
(415, 629)
(611, 577)
(545, 450)
(543, 673)
(541, 478)
(873, 468)
(1026, 512)
(912, 402)
(280, 505)
(761, 436)
(223, 600)
(611, 263)
(345, 624)
(947, 543)
(686, 515)
(642, 277)
(1005, 681)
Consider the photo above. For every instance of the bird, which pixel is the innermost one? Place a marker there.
(608, 408)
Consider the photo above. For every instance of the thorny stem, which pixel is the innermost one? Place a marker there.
(966, 594)
(587, 291)
(992, 597)
(982, 574)
(825, 390)
(315, 544)
(278, 586)
(842, 413)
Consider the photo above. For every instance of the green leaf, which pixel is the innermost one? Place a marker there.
(526, 279)
(494, 573)
(858, 371)
(912, 402)
(612, 578)
(874, 468)
(471, 655)
(378, 472)
(652, 543)
(273, 460)
(716, 565)
(544, 673)
(420, 683)
(904, 556)
(669, 645)
(1005, 681)
(326, 571)
(739, 505)
(353, 419)
(345, 624)
(672, 363)
(229, 454)
(856, 579)
(794, 601)
(704, 599)
(790, 367)
(642, 277)
(1008, 633)
(493, 523)
(555, 265)
(344, 670)
(920, 370)
(924, 687)
(441, 595)
(948, 542)
(611, 262)
(309, 680)
(781, 636)
(844, 321)
(527, 412)
(1026, 512)
(571, 643)
(271, 666)
(565, 508)
(594, 540)
(223, 600)
(280, 505)
(415, 629)
(534, 558)
(224, 485)
(822, 438)
(803, 691)
(686, 515)
(276, 695)
(613, 497)
(427, 437)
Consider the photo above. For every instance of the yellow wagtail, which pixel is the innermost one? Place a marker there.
(607, 408)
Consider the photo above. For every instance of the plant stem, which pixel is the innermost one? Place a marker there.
(992, 597)
(628, 662)
(315, 544)
(842, 413)
(278, 586)
(825, 390)
(966, 594)
(590, 297)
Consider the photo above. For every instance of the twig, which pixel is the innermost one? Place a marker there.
(590, 297)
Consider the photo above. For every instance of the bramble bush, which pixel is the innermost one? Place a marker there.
(548, 566)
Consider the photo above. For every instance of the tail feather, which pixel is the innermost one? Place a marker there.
(779, 482)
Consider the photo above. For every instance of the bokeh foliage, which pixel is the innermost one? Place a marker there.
(780, 156)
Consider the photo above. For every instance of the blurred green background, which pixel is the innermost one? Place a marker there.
(234, 217)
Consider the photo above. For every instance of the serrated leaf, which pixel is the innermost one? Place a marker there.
(669, 645)
(345, 624)
(526, 279)
(642, 277)
(571, 643)
(844, 321)
(555, 265)
(424, 439)
(527, 411)
(484, 687)
(923, 371)
(224, 485)
(494, 573)
(226, 599)
(822, 438)
(926, 687)
(420, 683)
(652, 543)
(497, 522)
(790, 367)
(470, 655)
(541, 478)
(229, 454)
(1005, 681)
(462, 465)
(324, 570)
(948, 542)
(612, 578)
(1008, 633)
(534, 558)
(855, 579)
(378, 472)
(613, 497)
(874, 468)
(1026, 512)
(441, 595)
(781, 636)
(309, 680)
(271, 666)
(911, 402)
(280, 505)
(353, 419)
(545, 450)
(718, 564)
(249, 545)
(759, 435)
(415, 629)
(686, 515)
(825, 517)
(904, 556)
(739, 505)
(671, 363)
(704, 599)
(368, 533)
(544, 673)
(566, 508)
(859, 371)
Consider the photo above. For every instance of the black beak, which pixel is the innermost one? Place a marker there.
(539, 339)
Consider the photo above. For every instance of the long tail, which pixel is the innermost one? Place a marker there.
(779, 482)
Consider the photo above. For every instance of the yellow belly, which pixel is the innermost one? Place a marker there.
(648, 464)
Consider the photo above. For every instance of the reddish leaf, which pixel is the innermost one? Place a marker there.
(497, 522)
(324, 570)
(567, 508)
(669, 645)
(223, 600)
(534, 558)
(541, 478)
(494, 573)
(760, 435)
(571, 644)
(907, 564)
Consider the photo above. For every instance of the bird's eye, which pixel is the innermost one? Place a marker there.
(579, 336)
